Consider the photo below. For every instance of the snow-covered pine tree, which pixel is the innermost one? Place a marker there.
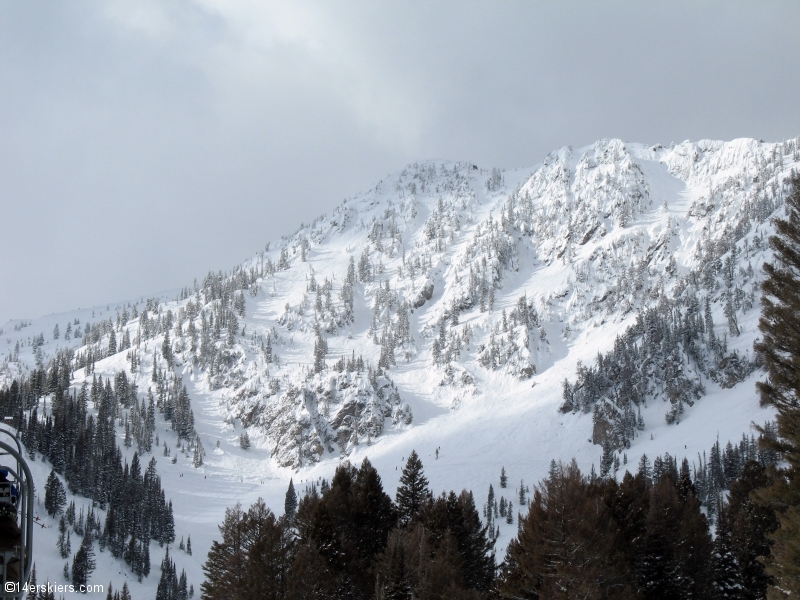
(727, 576)
(83, 563)
(64, 544)
(607, 460)
(112, 343)
(55, 496)
(199, 453)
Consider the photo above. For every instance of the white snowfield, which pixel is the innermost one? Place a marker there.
(567, 252)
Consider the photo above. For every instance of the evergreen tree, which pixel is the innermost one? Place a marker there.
(290, 502)
(348, 525)
(199, 453)
(685, 485)
(166, 349)
(503, 477)
(676, 548)
(413, 489)
(727, 582)
(167, 583)
(568, 545)
(32, 595)
(309, 577)
(398, 587)
(55, 496)
(607, 460)
(112, 343)
(751, 522)
(252, 559)
(780, 352)
(645, 470)
(64, 544)
(83, 563)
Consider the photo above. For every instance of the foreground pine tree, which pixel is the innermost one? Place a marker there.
(568, 545)
(725, 566)
(751, 522)
(413, 489)
(290, 503)
(252, 559)
(780, 352)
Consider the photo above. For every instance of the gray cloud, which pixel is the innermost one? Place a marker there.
(143, 143)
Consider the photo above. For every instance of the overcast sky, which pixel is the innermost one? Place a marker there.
(144, 143)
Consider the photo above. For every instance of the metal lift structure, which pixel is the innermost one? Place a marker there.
(16, 517)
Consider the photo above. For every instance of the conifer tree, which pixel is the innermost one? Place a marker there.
(489, 509)
(55, 496)
(568, 545)
(727, 582)
(751, 522)
(503, 477)
(64, 544)
(253, 556)
(413, 489)
(83, 562)
(607, 460)
(397, 587)
(290, 502)
(32, 595)
(167, 583)
(645, 469)
(199, 453)
(166, 349)
(780, 352)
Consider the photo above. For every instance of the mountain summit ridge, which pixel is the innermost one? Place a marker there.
(461, 274)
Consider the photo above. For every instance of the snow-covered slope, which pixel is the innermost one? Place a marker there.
(443, 311)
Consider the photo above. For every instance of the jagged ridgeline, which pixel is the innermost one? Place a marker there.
(449, 283)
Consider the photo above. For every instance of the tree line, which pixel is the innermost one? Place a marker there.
(348, 539)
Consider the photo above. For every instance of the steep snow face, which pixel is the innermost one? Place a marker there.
(456, 272)
(446, 307)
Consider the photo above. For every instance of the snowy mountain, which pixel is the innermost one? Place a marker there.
(486, 318)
